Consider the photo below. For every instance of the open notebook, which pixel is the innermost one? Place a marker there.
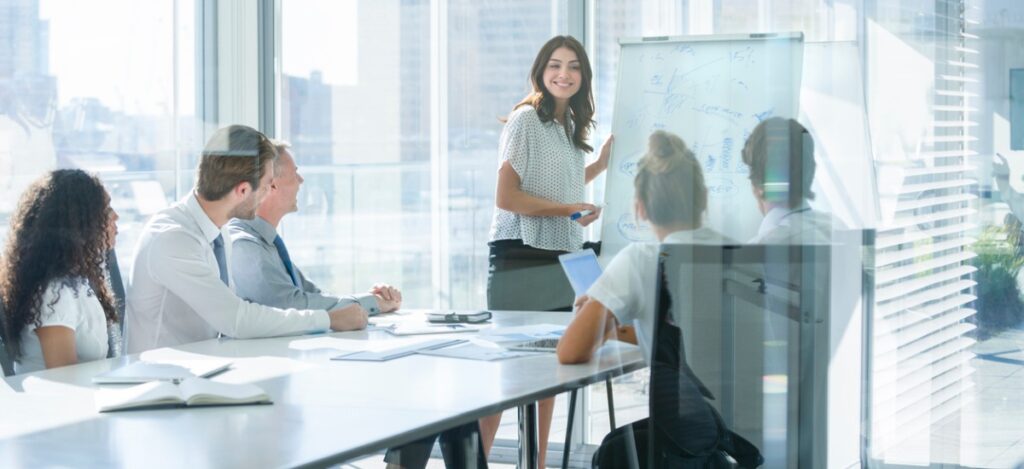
(189, 393)
(172, 371)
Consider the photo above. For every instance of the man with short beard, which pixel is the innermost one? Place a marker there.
(180, 288)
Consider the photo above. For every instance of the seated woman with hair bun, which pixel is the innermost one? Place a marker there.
(671, 195)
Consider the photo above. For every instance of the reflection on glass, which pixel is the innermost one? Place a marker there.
(120, 112)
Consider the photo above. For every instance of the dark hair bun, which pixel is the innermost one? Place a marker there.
(670, 182)
(665, 150)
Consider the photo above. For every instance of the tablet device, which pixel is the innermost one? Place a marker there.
(582, 269)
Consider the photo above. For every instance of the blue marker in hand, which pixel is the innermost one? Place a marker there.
(582, 213)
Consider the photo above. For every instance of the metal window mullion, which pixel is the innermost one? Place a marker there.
(206, 76)
(576, 21)
(440, 277)
(238, 45)
(267, 48)
(175, 93)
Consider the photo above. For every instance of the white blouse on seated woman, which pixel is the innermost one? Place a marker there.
(69, 303)
(627, 286)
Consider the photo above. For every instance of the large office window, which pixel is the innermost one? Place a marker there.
(104, 86)
(400, 167)
(357, 115)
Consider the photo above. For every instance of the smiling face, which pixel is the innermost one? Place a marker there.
(562, 74)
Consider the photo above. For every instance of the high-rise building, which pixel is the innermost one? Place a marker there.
(24, 40)
(307, 117)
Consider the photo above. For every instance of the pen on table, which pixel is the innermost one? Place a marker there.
(582, 213)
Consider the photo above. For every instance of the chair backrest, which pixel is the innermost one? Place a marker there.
(680, 417)
(117, 284)
(5, 357)
(758, 324)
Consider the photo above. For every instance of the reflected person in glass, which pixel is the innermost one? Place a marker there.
(780, 155)
(59, 305)
(262, 268)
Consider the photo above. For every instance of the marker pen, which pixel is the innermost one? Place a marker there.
(582, 213)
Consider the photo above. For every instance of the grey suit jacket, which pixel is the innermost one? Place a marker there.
(259, 273)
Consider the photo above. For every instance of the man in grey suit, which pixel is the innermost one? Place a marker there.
(262, 268)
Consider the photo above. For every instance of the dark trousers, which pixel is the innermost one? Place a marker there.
(461, 447)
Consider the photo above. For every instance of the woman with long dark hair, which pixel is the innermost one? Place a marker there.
(541, 185)
(57, 299)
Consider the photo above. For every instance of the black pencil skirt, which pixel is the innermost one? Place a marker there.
(525, 278)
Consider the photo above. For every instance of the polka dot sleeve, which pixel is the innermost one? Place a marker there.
(515, 143)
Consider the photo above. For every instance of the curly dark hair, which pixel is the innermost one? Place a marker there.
(58, 233)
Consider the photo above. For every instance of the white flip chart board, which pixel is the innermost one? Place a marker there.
(711, 91)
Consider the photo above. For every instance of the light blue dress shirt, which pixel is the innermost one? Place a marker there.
(259, 273)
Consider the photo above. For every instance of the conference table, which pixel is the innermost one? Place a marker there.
(324, 412)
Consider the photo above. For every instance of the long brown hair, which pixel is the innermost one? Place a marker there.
(58, 233)
(581, 105)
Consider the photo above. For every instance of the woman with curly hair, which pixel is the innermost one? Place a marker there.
(52, 278)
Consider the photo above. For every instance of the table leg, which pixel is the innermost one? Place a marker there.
(528, 439)
(568, 429)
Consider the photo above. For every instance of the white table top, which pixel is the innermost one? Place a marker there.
(324, 411)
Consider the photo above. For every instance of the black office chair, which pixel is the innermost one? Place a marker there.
(117, 284)
(5, 357)
(683, 427)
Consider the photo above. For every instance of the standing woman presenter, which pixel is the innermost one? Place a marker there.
(542, 176)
